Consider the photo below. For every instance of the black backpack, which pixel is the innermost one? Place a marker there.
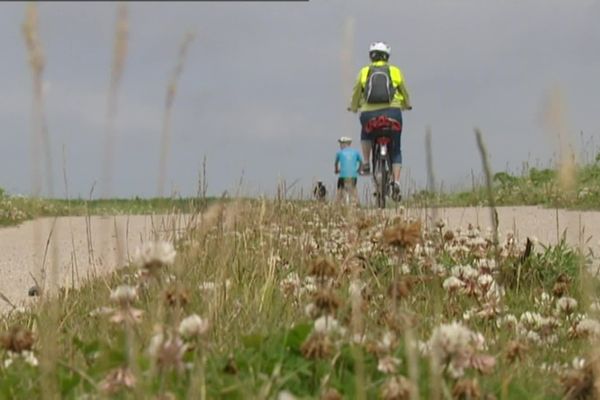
(379, 88)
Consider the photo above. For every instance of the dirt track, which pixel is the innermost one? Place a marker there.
(78, 248)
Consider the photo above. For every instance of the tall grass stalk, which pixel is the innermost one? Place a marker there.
(169, 100)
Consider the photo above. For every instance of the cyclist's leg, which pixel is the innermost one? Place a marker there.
(365, 141)
(354, 191)
(340, 190)
(396, 148)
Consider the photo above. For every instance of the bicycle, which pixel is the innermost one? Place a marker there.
(381, 128)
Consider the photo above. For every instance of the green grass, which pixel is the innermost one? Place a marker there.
(533, 187)
(258, 324)
(15, 210)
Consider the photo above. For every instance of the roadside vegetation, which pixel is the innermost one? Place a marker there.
(17, 209)
(534, 186)
(283, 300)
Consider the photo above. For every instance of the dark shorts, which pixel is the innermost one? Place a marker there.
(346, 183)
(392, 112)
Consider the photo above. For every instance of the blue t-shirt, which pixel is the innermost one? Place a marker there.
(350, 160)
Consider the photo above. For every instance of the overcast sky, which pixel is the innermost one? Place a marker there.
(264, 90)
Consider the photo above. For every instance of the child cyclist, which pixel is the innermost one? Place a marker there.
(347, 164)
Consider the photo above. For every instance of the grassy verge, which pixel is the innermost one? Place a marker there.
(14, 210)
(272, 299)
(533, 187)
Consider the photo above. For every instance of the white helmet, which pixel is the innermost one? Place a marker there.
(380, 46)
(345, 139)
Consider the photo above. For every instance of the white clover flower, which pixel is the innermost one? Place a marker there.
(448, 340)
(486, 264)
(152, 255)
(30, 358)
(464, 272)
(285, 395)
(533, 336)
(311, 310)
(485, 280)
(123, 294)
(588, 327)
(328, 324)
(578, 363)
(438, 269)
(404, 269)
(388, 365)
(387, 342)
(530, 319)
(566, 305)
(452, 283)
(193, 326)
(155, 345)
(508, 320)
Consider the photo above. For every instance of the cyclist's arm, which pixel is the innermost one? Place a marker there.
(336, 167)
(404, 92)
(398, 78)
(355, 101)
(405, 97)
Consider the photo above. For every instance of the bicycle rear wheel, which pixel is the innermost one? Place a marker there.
(380, 174)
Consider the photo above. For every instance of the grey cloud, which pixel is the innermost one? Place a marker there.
(282, 103)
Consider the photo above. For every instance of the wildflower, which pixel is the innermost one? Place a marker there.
(322, 268)
(328, 324)
(317, 346)
(331, 394)
(485, 281)
(30, 358)
(388, 364)
(193, 326)
(466, 389)
(452, 284)
(285, 395)
(128, 314)
(152, 256)
(464, 272)
(515, 350)
(17, 340)
(117, 379)
(387, 342)
(440, 223)
(101, 311)
(311, 310)
(580, 383)
(396, 388)
(566, 305)
(123, 295)
(587, 327)
(167, 352)
(483, 363)
(403, 234)
(176, 296)
(26, 355)
(326, 301)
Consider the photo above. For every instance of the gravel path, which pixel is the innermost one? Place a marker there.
(79, 247)
(581, 228)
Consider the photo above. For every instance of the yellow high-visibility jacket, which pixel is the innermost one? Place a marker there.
(401, 99)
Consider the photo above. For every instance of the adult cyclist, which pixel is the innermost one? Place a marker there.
(380, 90)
